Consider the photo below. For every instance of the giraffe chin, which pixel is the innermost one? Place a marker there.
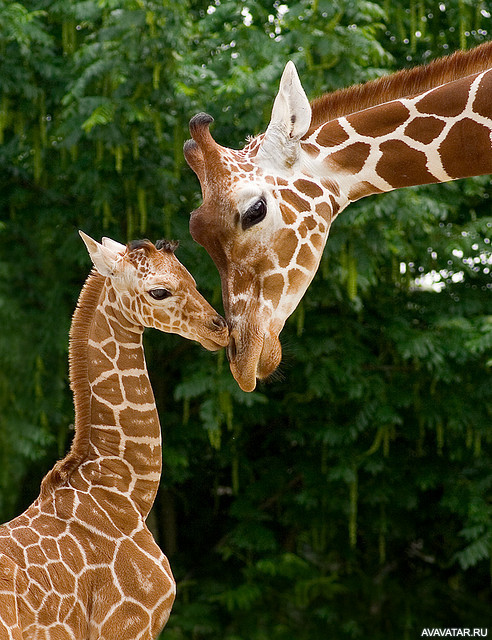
(257, 360)
(212, 345)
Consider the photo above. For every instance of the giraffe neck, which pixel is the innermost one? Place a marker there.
(117, 443)
(437, 136)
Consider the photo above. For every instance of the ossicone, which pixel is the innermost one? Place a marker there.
(194, 158)
(200, 122)
(202, 153)
(200, 130)
(167, 246)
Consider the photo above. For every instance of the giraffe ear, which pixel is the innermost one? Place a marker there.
(112, 244)
(103, 257)
(291, 117)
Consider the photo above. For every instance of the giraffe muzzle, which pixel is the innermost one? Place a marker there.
(253, 355)
(216, 335)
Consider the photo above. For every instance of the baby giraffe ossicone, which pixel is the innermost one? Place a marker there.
(80, 562)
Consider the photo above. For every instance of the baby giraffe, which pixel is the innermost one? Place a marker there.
(80, 562)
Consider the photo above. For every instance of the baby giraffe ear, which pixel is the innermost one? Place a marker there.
(112, 244)
(103, 257)
(291, 117)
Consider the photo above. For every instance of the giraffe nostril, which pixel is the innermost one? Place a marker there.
(219, 323)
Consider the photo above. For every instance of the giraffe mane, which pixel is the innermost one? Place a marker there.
(405, 83)
(79, 383)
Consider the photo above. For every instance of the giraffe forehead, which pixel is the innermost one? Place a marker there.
(240, 165)
(158, 269)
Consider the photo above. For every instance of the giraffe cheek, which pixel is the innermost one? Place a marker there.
(164, 322)
(306, 258)
(286, 242)
(317, 242)
(297, 281)
(327, 210)
(273, 288)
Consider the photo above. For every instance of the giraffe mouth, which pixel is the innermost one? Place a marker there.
(253, 355)
(212, 345)
(213, 334)
(217, 337)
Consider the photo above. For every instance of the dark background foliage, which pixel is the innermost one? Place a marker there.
(349, 497)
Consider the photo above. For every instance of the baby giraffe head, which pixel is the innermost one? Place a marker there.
(153, 289)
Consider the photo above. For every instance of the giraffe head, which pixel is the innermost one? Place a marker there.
(264, 221)
(153, 289)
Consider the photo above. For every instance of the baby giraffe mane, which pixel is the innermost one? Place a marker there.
(79, 383)
(402, 84)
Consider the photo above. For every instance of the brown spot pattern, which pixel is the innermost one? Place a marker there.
(295, 200)
(466, 150)
(71, 553)
(448, 100)
(263, 264)
(402, 166)
(288, 216)
(109, 388)
(273, 287)
(239, 307)
(49, 609)
(138, 390)
(482, 103)
(119, 509)
(331, 185)
(325, 210)
(135, 421)
(241, 280)
(352, 158)
(286, 243)
(296, 279)
(331, 134)
(306, 257)
(311, 189)
(380, 120)
(317, 241)
(50, 548)
(362, 189)
(310, 149)
(310, 222)
(334, 205)
(110, 349)
(102, 414)
(424, 129)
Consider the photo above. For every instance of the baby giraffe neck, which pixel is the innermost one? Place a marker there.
(117, 443)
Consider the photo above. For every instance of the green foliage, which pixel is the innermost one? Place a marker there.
(349, 497)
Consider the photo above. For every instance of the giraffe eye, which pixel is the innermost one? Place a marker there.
(159, 294)
(254, 214)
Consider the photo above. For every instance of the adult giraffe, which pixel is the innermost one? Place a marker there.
(80, 562)
(267, 209)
